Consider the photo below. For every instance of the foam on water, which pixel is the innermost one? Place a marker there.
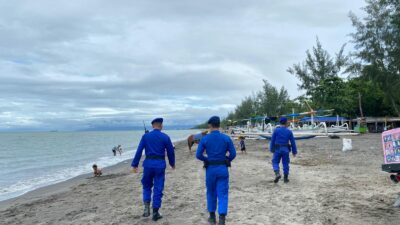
(24, 186)
(49, 168)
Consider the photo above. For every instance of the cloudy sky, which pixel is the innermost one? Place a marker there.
(96, 63)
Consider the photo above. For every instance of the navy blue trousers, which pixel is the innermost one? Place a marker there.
(217, 183)
(281, 154)
(153, 181)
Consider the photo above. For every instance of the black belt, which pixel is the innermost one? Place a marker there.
(216, 163)
(277, 146)
(156, 157)
(226, 162)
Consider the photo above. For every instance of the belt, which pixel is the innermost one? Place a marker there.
(156, 157)
(277, 146)
(217, 163)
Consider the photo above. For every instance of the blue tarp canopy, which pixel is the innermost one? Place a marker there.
(324, 119)
(294, 114)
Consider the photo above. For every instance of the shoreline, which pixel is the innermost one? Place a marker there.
(66, 184)
(60, 186)
(327, 186)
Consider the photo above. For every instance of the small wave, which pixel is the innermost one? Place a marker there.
(58, 175)
(24, 186)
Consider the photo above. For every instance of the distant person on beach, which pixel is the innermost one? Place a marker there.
(281, 149)
(155, 144)
(216, 145)
(119, 149)
(114, 150)
(96, 171)
(242, 144)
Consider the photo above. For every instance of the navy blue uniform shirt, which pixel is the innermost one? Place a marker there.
(155, 143)
(216, 145)
(282, 136)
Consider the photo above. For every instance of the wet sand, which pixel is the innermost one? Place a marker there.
(327, 186)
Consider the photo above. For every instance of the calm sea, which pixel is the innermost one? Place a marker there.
(32, 160)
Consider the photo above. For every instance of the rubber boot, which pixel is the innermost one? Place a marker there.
(146, 212)
(156, 214)
(277, 177)
(286, 179)
(212, 219)
(221, 219)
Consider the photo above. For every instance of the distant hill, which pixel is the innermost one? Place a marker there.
(127, 128)
(201, 126)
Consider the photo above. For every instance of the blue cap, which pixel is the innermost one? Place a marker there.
(157, 120)
(214, 121)
(283, 120)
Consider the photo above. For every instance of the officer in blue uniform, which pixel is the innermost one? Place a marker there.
(155, 144)
(281, 149)
(216, 145)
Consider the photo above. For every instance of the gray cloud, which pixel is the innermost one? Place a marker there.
(75, 64)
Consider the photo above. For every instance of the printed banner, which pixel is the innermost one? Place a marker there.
(391, 146)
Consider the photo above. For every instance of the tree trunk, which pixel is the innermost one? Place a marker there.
(396, 109)
(360, 105)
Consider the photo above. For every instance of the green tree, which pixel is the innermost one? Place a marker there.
(377, 43)
(271, 101)
(319, 77)
(246, 109)
(330, 94)
(318, 66)
(373, 98)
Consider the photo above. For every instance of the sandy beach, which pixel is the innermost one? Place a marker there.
(327, 186)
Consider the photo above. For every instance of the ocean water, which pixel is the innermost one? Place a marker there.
(32, 160)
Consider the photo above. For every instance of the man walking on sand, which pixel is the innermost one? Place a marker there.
(155, 144)
(216, 145)
(281, 149)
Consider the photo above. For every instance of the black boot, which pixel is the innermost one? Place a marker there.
(156, 214)
(212, 219)
(286, 178)
(146, 212)
(277, 177)
(221, 219)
